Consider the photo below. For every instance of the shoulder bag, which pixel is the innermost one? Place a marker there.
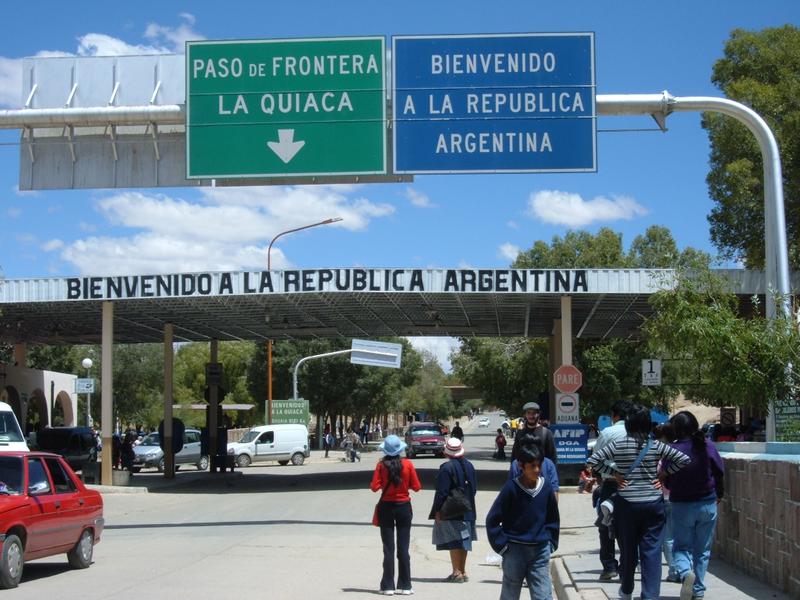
(457, 503)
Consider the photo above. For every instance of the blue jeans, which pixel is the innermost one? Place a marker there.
(608, 552)
(640, 527)
(694, 524)
(526, 561)
(666, 547)
(391, 515)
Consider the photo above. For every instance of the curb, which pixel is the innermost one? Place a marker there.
(565, 586)
(117, 489)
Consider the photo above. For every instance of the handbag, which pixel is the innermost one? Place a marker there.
(375, 520)
(457, 503)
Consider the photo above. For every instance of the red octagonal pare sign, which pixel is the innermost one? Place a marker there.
(567, 379)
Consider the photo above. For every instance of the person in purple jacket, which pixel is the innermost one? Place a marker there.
(695, 492)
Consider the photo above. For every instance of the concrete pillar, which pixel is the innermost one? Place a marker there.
(169, 456)
(107, 391)
(566, 330)
(21, 355)
(213, 405)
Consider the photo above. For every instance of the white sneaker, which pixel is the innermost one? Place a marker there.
(387, 592)
(407, 592)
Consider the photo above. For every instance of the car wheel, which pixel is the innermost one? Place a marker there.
(80, 557)
(136, 469)
(243, 460)
(203, 464)
(11, 565)
(297, 459)
(410, 455)
(161, 466)
(283, 463)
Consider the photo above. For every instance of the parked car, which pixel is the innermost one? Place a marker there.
(44, 510)
(11, 437)
(149, 454)
(484, 422)
(76, 444)
(425, 438)
(283, 443)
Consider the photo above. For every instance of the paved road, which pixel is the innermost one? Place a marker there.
(282, 532)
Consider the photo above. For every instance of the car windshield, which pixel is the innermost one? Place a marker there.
(249, 436)
(9, 429)
(150, 440)
(426, 431)
(10, 475)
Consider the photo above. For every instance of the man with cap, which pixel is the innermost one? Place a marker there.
(530, 425)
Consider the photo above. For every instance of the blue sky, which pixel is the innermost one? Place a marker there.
(643, 178)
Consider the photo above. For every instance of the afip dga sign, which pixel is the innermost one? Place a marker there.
(571, 442)
(289, 411)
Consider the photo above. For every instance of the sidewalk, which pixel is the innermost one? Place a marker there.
(576, 566)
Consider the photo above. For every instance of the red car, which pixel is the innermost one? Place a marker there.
(44, 510)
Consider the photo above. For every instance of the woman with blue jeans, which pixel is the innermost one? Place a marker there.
(694, 493)
(638, 507)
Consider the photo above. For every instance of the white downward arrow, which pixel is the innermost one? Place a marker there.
(286, 148)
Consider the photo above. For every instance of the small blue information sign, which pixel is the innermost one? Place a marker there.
(571, 443)
(518, 103)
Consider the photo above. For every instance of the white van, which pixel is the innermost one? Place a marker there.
(11, 437)
(283, 443)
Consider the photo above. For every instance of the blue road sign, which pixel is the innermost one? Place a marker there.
(518, 103)
(571, 443)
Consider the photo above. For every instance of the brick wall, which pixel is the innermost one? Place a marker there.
(759, 519)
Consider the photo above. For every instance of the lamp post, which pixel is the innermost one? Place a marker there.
(269, 341)
(87, 363)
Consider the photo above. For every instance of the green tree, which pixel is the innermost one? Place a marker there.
(428, 394)
(509, 372)
(722, 356)
(760, 69)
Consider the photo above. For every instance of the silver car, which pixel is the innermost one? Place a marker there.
(149, 453)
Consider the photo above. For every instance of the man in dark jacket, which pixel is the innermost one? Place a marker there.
(531, 425)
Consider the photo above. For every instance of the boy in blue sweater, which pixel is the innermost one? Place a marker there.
(523, 526)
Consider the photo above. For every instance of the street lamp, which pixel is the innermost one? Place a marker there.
(269, 342)
(87, 363)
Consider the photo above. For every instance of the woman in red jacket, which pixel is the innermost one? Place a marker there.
(395, 476)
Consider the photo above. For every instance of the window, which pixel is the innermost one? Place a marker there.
(191, 437)
(37, 477)
(267, 437)
(11, 474)
(62, 482)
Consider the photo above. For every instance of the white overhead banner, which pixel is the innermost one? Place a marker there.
(238, 283)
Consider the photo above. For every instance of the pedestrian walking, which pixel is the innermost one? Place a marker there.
(351, 443)
(457, 432)
(395, 476)
(500, 445)
(329, 441)
(694, 493)
(455, 533)
(523, 526)
(607, 488)
(666, 434)
(638, 507)
(548, 468)
(530, 424)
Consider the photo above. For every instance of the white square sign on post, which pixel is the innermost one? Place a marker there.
(651, 371)
(568, 408)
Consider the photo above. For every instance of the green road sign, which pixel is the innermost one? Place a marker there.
(290, 411)
(285, 108)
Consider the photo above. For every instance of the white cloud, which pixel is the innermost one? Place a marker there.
(13, 212)
(418, 198)
(564, 208)
(53, 244)
(440, 347)
(227, 229)
(87, 227)
(512, 224)
(509, 251)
